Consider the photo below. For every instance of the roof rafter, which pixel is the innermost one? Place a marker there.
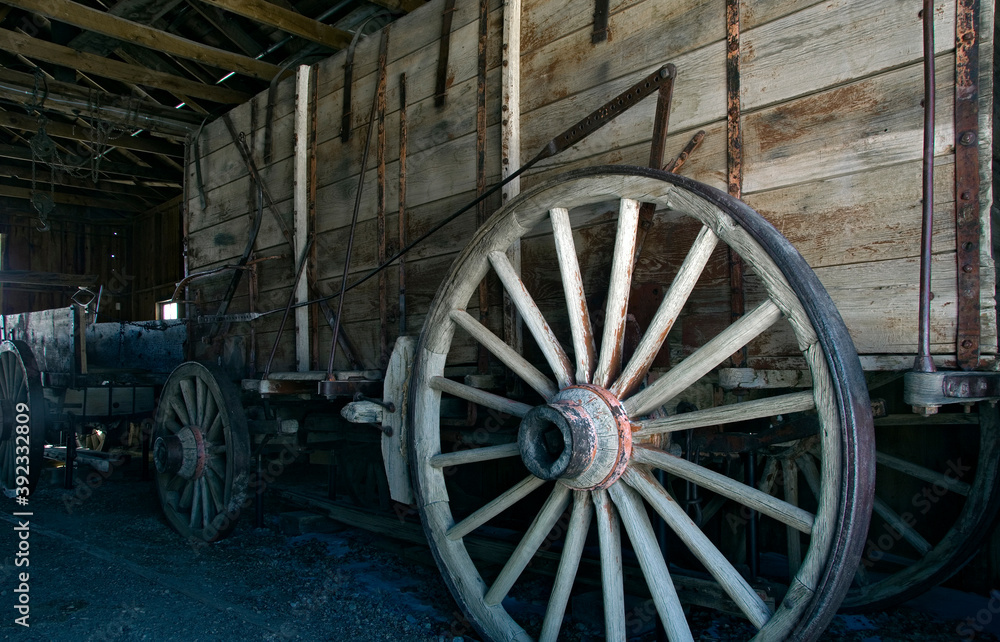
(107, 24)
(288, 21)
(124, 72)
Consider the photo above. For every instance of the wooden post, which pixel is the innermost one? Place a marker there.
(301, 210)
(510, 148)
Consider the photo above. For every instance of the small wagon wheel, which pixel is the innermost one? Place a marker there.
(201, 450)
(924, 535)
(592, 434)
(22, 419)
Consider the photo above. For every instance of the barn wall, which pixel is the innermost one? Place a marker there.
(157, 248)
(69, 248)
(832, 131)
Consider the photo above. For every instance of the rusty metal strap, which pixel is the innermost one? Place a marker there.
(967, 208)
(601, 33)
(445, 45)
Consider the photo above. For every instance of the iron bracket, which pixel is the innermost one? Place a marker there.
(925, 391)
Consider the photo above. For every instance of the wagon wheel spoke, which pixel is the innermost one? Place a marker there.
(481, 397)
(710, 556)
(529, 373)
(746, 411)
(703, 360)
(569, 562)
(556, 357)
(790, 481)
(21, 462)
(541, 526)
(666, 315)
(922, 473)
(908, 533)
(188, 396)
(475, 455)
(576, 300)
(651, 561)
(612, 338)
(758, 500)
(612, 579)
(510, 497)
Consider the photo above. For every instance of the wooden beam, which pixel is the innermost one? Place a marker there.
(289, 21)
(67, 98)
(46, 279)
(77, 132)
(144, 12)
(23, 173)
(115, 70)
(400, 6)
(104, 23)
(230, 28)
(106, 166)
(74, 199)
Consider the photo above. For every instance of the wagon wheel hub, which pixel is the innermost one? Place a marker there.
(182, 453)
(582, 436)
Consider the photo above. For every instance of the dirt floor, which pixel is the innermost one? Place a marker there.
(104, 565)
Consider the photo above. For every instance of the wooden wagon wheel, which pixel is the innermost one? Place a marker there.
(589, 435)
(916, 540)
(22, 419)
(201, 450)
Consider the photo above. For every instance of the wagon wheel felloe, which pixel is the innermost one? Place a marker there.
(594, 438)
(21, 404)
(201, 450)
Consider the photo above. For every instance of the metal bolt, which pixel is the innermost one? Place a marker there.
(967, 343)
(966, 196)
(967, 268)
(968, 138)
(951, 388)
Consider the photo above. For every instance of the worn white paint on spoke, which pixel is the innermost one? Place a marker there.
(473, 455)
(612, 582)
(670, 308)
(529, 373)
(569, 563)
(926, 474)
(584, 351)
(541, 526)
(721, 347)
(540, 329)
(609, 361)
(902, 527)
(757, 409)
(788, 514)
(651, 561)
(511, 496)
(711, 557)
(481, 397)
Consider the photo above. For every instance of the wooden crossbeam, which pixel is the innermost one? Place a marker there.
(46, 279)
(106, 166)
(91, 64)
(104, 23)
(74, 199)
(77, 132)
(73, 100)
(44, 176)
(400, 6)
(288, 21)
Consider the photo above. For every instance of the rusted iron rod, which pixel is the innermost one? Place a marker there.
(402, 202)
(923, 361)
(291, 297)
(382, 55)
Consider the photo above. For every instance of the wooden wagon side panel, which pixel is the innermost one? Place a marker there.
(440, 175)
(832, 139)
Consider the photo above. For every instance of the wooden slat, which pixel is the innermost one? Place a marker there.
(28, 277)
(106, 167)
(289, 21)
(102, 22)
(106, 68)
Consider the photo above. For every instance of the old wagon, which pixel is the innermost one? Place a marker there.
(641, 383)
(77, 385)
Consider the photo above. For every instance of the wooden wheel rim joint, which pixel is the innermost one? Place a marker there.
(582, 437)
(181, 454)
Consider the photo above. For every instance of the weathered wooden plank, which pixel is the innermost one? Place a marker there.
(868, 216)
(833, 43)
